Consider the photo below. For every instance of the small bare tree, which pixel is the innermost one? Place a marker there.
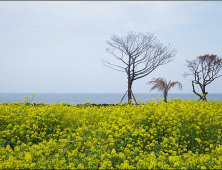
(205, 69)
(161, 85)
(139, 54)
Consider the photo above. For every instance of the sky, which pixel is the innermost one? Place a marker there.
(58, 47)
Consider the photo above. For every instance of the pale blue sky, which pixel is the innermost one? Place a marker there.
(57, 47)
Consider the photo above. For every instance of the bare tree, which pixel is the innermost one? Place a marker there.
(205, 69)
(161, 85)
(139, 54)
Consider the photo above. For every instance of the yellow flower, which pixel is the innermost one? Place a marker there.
(28, 157)
(80, 166)
(203, 167)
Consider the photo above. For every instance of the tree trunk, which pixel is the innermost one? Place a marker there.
(204, 98)
(129, 91)
(165, 96)
(195, 91)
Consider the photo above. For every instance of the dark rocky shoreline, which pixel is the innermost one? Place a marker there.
(66, 104)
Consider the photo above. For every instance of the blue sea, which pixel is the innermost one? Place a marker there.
(99, 98)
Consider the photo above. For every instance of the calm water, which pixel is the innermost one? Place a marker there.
(100, 98)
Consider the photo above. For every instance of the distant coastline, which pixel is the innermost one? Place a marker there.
(96, 98)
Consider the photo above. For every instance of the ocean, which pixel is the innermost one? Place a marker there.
(99, 98)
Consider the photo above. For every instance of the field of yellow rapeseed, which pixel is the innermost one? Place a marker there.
(180, 134)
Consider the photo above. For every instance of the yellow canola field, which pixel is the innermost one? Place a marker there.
(180, 134)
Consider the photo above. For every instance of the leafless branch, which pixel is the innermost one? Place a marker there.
(106, 63)
(140, 53)
(205, 69)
